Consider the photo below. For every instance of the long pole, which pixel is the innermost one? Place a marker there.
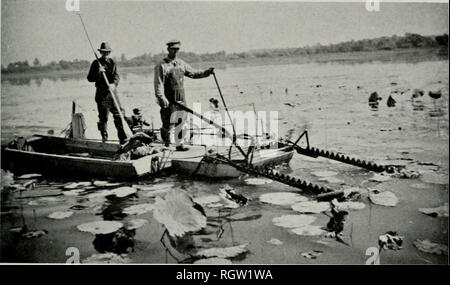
(126, 128)
(229, 117)
(226, 108)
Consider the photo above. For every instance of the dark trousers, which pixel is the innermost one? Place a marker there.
(172, 124)
(105, 105)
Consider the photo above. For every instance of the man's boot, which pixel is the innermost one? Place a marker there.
(165, 136)
(102, 128)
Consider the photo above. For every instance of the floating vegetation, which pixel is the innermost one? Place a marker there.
(73, 192)
(308, 230)
(155, 187)
(312, 254)
(206, 200)
(122, 192)
(135, 224)
(229, 194)
(406, 174)
(99, 194)
(60, 215)
(78, 207)
(350, 205)
(35, 234)
(100, 183)
(380, 178)
(312, 207)
(74, 185)
(100, 227)
(6, 179)
(48, 194)
(325, 173)
(385, 198)
(282, 198)
(293, 221)
(441, 211)
(177, 213)
(223, 252)
(139, 209)
(51, 199)
(390, 241)
(258, 181)
(213, 260)
(431, 247)
(30, 176)
(107, 258)
(275, 241)
(154, 193)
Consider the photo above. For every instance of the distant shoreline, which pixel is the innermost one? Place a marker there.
(400, 55)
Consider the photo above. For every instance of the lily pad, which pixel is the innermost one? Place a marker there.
(293, 221)
(177, 214)
(308, 230)
(282, 198)
(275, 241)
(139, 209)
(257, 181)
(100, 227)
(379, 178)
(224, 252)
(431, 247)
(99, 194)
(311, 207)
(75, 192)
(208, 199)
(349, 205)
(122, 192)
(51, 199)
(385, 198)
(155, 187)
(107, 258)
(441, 211)
(213, 260)
(135, 224)
(60, 215)
(325, 173)
(74, 185)
(29, 176)
(312, 254)
(35, 234)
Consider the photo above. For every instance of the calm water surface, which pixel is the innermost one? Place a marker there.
(330, 100)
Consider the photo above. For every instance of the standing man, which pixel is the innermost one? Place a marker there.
(103, 97)
(169, 77)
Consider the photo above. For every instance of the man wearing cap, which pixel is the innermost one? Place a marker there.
(169, 77)
(103, 97)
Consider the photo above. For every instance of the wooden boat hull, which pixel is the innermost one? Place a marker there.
(197, 166)
(50, 156)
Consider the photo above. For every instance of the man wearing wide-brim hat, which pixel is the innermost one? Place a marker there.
(169, 88)
(103, 97)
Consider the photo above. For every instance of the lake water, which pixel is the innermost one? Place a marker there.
(329, 100)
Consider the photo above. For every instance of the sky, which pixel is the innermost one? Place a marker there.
(44, 29)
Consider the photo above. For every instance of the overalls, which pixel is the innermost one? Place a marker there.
(172, 117)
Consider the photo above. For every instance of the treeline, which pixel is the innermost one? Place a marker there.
(383, 43)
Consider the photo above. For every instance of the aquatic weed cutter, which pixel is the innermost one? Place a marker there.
(246, 166)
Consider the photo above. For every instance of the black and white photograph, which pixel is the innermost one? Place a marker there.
(224, 133)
